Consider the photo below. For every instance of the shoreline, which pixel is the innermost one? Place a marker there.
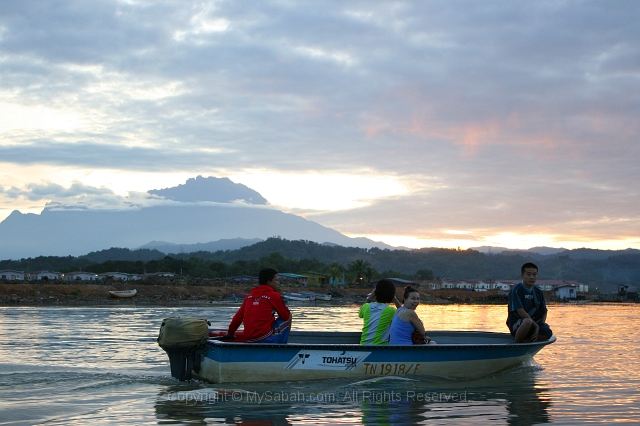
(169, 294)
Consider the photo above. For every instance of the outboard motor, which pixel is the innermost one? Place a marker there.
(182, 338)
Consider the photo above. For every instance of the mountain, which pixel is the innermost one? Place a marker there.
(60, 232)
(595, 254)
(544, 251)
(220, 190)
(212, 246)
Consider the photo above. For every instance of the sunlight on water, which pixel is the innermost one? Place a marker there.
(101, 365)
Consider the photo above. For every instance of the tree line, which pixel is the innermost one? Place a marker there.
(352, 263)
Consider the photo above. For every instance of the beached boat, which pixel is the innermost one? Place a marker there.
(312, 355)
(324, 297)
(123, 294)
(316, 296)
(299, 297)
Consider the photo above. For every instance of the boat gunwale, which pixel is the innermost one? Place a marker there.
(232, 344)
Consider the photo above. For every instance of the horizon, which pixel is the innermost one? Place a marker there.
(431, 124)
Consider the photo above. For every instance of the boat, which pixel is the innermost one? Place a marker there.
(299, 297)
(316, 355)
(235, 296)
(123, 294)
(324, 297)
(316, 296)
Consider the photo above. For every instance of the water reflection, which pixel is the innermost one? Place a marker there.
(510, 398)
(204, 405)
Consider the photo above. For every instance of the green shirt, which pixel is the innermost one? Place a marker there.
(377, 322)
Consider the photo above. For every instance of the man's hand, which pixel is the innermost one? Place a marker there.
(227, 337)
(536, 330)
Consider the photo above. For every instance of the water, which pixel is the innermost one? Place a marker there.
(101, 365)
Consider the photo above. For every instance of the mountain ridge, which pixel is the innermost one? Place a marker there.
(72, 231)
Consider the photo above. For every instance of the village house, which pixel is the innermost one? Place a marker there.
(286, 276)
(544, 285)
(80, 276)
(11, 275)
(430, 285)
(550, 285)
(482, 285)
(465, 284)
(475, 284)
(504, 285)
(44, 276)
(553, 285)
(399, 283)
(159, 274)
(118, 276)
(501, 285)
(448, 284)
(339, 281)
(566, 291)
(317, 278)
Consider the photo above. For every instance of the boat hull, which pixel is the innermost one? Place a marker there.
(323, 297)
(299, 297)
(123, 294)
(460, 355)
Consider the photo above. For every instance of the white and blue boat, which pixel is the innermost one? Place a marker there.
(314, 355)
(317, 296)
(299, 297)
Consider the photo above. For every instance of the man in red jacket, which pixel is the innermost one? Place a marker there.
(257, 312)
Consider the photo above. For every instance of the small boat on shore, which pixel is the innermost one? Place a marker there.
(323, 297)
(123, 294)
(309, 297)
(316, 296)
(235, 296)
(314, 355)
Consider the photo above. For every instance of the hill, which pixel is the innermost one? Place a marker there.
(300, 256)
(211, 246)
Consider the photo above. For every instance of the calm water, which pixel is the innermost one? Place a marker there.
(101, 365)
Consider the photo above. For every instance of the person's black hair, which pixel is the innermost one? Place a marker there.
(528, 265)
(385, 291)
(407, 291)
(265, 275)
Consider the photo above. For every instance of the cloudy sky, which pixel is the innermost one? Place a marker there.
(431, 123)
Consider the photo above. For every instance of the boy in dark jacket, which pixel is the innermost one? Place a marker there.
(527, 308)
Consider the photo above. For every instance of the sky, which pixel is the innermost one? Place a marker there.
(419, 124)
